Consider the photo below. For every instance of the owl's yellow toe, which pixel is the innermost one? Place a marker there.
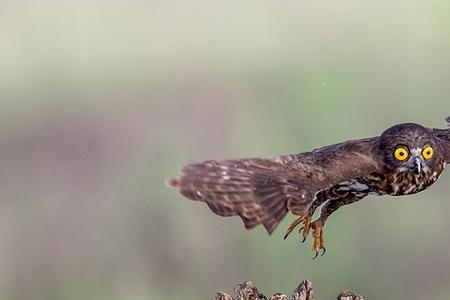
(317, 234)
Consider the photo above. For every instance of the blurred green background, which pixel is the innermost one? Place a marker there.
(100, 101)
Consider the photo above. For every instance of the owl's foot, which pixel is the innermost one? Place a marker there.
(317, 234)
(304, 218)
(317, 231)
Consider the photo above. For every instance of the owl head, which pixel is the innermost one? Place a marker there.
(410, 147)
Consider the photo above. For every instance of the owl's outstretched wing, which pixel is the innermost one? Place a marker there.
(443, 135)
(262, 191)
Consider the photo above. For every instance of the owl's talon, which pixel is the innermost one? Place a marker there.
(317, 234)
(304, 231)
(300, 232)
(304, 218)
(295, 223)
(315, 256)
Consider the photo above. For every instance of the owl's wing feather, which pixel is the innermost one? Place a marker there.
(443, 135)
(334, 164)
(256, 189)
(262, 191)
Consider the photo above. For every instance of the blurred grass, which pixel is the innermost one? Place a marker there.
(101, 101)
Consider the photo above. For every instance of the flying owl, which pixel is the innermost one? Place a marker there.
(405, 159)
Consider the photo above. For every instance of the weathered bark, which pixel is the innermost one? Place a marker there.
(248, 291)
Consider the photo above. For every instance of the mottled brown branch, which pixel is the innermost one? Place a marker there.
(304, 291)
(248, 291)
(347, 295)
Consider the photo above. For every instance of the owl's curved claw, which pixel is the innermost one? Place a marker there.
(321, 254)
(292, 226)
(300, 232)
(315, 256)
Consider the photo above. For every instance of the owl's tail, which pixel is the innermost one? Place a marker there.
(250, 188)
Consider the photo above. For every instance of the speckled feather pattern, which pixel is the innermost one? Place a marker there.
(264, 190)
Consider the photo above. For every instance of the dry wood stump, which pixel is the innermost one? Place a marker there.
(248, 291)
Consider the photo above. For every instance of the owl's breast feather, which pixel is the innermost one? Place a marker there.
(407, 183)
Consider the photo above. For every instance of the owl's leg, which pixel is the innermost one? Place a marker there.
(306, 216)
(317, 226)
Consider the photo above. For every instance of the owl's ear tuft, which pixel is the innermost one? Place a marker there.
(448, 121)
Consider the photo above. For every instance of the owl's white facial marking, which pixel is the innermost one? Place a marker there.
(416, 163)
(416, 152)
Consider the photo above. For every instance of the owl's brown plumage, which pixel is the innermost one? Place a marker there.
(405, 159)
(262, 191)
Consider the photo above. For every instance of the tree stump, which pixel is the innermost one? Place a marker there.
(248, 291)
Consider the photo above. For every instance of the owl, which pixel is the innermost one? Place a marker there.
(405, 159)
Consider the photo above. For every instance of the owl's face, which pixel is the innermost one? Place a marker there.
(410, 148)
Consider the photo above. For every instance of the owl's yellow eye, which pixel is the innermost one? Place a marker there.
(401, 153)
(428, 152)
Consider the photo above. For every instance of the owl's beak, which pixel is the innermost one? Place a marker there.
(418, 165)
